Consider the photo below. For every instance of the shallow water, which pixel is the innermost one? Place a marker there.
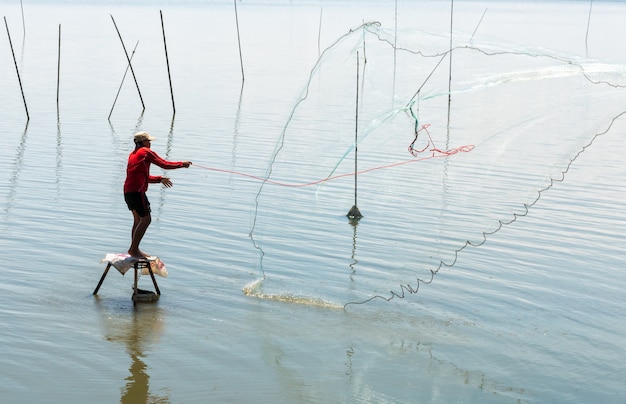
(267, 282)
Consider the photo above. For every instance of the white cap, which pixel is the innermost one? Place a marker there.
(141, 136)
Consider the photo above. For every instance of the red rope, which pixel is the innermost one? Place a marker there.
(434, 150)
(435, 153)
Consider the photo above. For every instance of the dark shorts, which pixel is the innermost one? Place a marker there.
(138, 201)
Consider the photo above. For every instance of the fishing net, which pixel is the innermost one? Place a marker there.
(450, 146)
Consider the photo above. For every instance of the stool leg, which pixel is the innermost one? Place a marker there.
(156, 287)
(135, 290)
(104, 274)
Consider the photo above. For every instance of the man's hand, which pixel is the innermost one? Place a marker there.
(186, 164)
(167, 182)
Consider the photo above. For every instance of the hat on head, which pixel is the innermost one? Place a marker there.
(141, 136)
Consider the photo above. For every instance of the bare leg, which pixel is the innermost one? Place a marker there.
(140, 225)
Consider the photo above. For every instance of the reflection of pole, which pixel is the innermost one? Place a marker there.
(129, 64)
(17, 169)
(236, 128)
(239, 41)
(168, 150)
(167, 60)
(354, 223)
(16, 69)
(170, 138)
(59, 153)
(354, 212)
(139, 122)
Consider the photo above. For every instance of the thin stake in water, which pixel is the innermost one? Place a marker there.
(478, 25)
(395, 49)
(19, 79)
(239, 42)
(59, 68)
(23, 19)
(319, 34)
(354, 213)
(129, 64)
(450, 69)
(167, 60)
(123, 78)
(588, 22)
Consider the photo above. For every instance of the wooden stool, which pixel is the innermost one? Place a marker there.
(138, 294)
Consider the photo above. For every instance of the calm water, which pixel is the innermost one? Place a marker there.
(268, 297)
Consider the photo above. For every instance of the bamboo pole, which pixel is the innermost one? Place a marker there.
(167, 60)
(450, 69)
(478, 25)
(59, 68)
(356, 131)
(395, 50)
(19, 79)
(23, 19)
(123, 78)
(243, 78)
(319, 33)
(129, 63)
(354, 214)
(588, 23)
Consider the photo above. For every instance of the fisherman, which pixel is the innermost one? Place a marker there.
(137, 179)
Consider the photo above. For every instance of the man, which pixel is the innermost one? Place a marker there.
(137, 179)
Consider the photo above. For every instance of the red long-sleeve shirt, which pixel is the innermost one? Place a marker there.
(138, 170)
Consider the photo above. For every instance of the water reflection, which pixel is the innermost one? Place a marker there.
(168, 151)
(354, 223)
(139, 122)
(236, 130)
(170, 139)
(17, 169)
(138, 331)
(59, 163)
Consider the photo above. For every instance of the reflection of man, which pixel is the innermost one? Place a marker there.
(144, 330)
(137, 179)
(137, 389)
(138, 333)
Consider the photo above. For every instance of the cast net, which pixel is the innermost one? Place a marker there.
(446, 156)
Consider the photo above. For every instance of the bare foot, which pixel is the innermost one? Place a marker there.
(137, 254)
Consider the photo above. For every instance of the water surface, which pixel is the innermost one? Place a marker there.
(523, 229)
